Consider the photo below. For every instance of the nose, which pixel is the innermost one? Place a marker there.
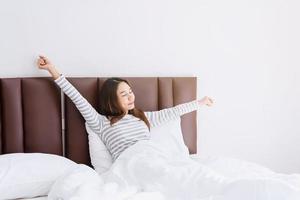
(130, 97)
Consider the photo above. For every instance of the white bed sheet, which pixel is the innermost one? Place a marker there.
(176, 178)
(83, 183)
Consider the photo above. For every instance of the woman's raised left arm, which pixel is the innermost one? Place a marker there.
(156, 118)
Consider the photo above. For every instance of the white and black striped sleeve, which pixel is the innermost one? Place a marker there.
(157, 118)
(91, 116)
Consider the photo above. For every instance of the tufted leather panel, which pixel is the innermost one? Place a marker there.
(165, 93)
(30, 115)
(146, 92)
(0, 125)
(151, 93)
(76, 140)
(42, 116)
(11, 115)
(184, 90)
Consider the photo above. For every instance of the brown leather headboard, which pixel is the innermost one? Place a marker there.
(31, 115)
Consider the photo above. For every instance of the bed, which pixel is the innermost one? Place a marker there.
(37, 119)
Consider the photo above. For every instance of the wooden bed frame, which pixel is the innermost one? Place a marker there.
(36, 117)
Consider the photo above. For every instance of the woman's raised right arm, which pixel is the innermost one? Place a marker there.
(91, 116)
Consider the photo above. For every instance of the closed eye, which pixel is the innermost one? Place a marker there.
(124, 93)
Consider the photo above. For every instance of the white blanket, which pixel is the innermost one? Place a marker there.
(144, 172)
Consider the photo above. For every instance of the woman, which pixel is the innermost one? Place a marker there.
(119, 123)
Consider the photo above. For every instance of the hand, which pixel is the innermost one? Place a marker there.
(206, 101)
(44, 63)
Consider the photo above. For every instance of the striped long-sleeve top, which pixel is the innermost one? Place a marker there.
(128, 130)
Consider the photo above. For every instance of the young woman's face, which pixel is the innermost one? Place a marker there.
(125, 96)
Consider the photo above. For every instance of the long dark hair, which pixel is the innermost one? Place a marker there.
(109, 105)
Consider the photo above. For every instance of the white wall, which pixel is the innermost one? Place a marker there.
(243, 51)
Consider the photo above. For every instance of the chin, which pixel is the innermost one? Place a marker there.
(131, 107)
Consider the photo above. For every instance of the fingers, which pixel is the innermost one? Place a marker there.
(40, 62)
(209, 101)
(206, 101)
(44, 59)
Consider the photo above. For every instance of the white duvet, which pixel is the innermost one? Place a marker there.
(144, 171)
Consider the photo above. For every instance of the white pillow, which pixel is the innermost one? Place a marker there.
(100, 157)
(169, 137)
(26, 175)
